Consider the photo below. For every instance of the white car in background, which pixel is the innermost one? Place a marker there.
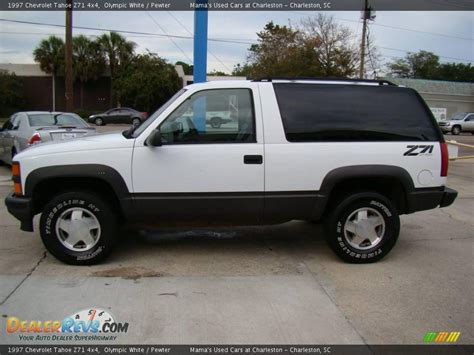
(24, 129)
(460, 122)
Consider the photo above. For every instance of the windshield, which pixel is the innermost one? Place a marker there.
(158, 112)
(51, 119)
(459, 116)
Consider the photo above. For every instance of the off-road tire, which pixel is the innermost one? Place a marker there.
(339, 212)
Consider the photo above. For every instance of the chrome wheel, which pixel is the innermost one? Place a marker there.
(99, 122)
(364, 228)
(78, 229)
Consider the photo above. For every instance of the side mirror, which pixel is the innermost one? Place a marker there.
(154, 139)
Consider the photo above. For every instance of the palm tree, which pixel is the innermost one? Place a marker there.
(118, 52)
(50, 56)
(88, 61)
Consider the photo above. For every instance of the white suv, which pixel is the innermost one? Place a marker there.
(352, 154)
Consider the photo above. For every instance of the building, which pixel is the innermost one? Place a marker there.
(445, 98)
(38, 87)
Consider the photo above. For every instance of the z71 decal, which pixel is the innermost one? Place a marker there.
(414, 150)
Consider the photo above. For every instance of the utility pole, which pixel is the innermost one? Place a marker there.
(69, 94)
(365, 18)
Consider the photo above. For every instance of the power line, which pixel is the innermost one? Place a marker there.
(396, 28)
(170, 38)
(224, 40)
(185, 37)
(210, 52)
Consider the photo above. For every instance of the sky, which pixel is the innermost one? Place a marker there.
(450, 35)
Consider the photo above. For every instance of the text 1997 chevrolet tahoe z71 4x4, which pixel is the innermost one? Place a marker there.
(353, 154)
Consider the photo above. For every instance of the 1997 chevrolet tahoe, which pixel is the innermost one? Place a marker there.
(354, 154)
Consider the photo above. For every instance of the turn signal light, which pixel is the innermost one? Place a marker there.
(16, 177)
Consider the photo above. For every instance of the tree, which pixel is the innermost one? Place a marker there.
(421, 65)
(187, 68)
(242, 70)
(316, 47)
(88, 61)
(147, 82)
(277, 52)
(455, 72)
(217, 73)
(118, 52)
(50, 56)
(331, 49)
(11, 93)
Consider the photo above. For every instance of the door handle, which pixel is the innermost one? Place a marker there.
(253, 159)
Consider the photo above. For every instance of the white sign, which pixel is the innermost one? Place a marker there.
(440, 113)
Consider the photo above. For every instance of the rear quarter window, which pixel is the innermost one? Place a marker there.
(315, 113)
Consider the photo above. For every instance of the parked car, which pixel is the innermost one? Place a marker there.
(24, 129)
(123, 115)
(349, 153)
(460, 122)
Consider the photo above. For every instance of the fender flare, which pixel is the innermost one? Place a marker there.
(96, 171)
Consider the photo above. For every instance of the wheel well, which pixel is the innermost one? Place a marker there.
(389, 187)
(45, 190)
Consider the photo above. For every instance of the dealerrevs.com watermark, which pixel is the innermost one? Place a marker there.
(93, 324)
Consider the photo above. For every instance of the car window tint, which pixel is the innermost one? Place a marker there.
(39, 120)
(212, 116)
(353, 113)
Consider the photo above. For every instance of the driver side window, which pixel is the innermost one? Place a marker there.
(212, 116)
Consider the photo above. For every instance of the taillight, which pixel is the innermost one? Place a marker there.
(16, 177)
(35, 138)
(444, 159)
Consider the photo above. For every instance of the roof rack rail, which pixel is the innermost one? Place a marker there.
(327, 78)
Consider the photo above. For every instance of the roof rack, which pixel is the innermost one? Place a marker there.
(380, 82)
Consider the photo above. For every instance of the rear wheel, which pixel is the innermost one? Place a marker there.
(78, 228)
(99, 121)
(363, 227)
(456, 130)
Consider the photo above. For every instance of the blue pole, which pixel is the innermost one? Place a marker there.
(200, 62)
(200, 43)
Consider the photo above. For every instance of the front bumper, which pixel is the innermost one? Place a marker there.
(426, 199)
(22, 209)
(445, 129)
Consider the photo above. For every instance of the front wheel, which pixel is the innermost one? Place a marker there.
(363, 227)
(99, 121)
(456, 130)
(78, 228)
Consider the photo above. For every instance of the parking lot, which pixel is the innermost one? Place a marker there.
(274, 284)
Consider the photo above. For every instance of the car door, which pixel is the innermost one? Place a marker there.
(125, 116)
(202, 174)
(113, 116)
(468, 123)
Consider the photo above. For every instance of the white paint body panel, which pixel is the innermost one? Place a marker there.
(111, 149)
(219, 167)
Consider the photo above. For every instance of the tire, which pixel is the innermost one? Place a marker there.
(101, 231)
(99, 121)
(382, 226)
(216, 122)
(136, 122)
(456, 130)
